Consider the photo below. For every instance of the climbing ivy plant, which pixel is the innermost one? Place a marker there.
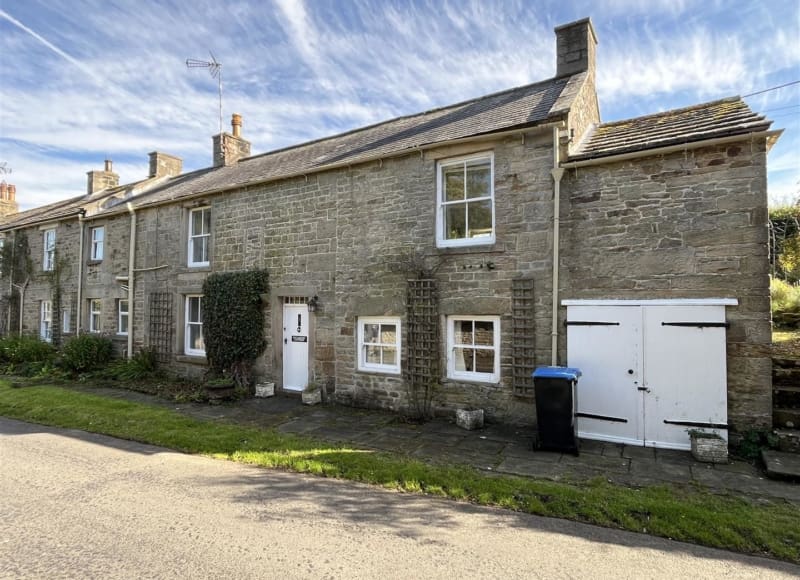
(233, 324)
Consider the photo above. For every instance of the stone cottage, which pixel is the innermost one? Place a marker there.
(456, 250)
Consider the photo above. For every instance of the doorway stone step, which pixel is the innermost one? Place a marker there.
(781, 465)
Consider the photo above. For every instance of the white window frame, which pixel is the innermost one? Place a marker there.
(442, 203)
(46, 321)
(363, 365)
(66, 321)
(49, 243)
(95, 315)
(452, 373)
(187, 349)
(122, 314)
(201, 237)
(97, 242)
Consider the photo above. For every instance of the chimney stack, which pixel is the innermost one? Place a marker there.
(100, 180)
(228, 149)
(164, 164)
(8, 203)
(575, 47)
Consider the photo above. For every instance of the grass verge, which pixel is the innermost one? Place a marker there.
(689, 514)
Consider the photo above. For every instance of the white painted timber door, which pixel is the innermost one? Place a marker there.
(685, 373)
(605, 343)
(650, 372)
(295, 346)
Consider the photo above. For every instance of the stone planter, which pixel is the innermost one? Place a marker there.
(708, 447)
(265, 389)
(220, 392)
(469, 419)
(313, 397)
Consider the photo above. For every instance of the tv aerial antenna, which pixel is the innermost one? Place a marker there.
(4, 168)
(215, 68)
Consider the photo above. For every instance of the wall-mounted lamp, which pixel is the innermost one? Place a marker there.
(313, 304)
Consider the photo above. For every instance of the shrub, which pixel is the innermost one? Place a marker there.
(140, 366)
(785, 301)
(25, 349)
(233, 322)
(86, 352)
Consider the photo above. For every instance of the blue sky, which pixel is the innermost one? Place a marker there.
(82, 81)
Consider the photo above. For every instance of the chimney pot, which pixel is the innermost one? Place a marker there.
(12, 192)
(236, 125)
(108, 165)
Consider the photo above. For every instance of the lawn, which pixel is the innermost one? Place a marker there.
(687, 513)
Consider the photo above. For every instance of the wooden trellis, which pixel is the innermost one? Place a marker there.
(522, 336)
(422, 340)
(161, 325)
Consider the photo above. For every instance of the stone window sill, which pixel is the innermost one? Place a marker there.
(192, 360)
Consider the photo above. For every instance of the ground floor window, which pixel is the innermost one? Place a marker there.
(379, 344)
(473, 348)
(46, 321)
(122, 317)
(193, 332)
(66, 323)
(95, 313)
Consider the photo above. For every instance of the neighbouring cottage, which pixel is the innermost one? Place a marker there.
(456, 249)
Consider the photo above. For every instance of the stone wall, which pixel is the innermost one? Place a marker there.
(685, 225)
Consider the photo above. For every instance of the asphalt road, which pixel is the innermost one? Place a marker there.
(76, 505)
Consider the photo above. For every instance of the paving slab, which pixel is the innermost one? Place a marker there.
(596, 462)
(662, 472)
(781, 464)
(636, 452)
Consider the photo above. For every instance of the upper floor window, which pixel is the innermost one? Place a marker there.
(193, 332)
(122, 317)
(465, 201)
(199, 236)
(46, 321)
(95, 313)
(473, 348)
(98, 236)
(49, 259)
(379, 345)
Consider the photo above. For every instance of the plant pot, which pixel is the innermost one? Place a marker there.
(709, 447)
(312, 397)
(469, 419)
(265, 389)
(218, 393)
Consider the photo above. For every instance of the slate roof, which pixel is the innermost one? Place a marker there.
(720, 118)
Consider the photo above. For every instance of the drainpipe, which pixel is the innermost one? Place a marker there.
(131, 264)
(79, 306)
(557, 172)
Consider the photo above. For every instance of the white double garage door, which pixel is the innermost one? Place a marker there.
(652, 370)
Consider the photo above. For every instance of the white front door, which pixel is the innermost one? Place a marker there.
(295, 346)
(650, 372)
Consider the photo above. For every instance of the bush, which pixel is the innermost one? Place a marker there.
(233, 322)
(87, 352)
(141, 365)
(785, 302)
(18, 350)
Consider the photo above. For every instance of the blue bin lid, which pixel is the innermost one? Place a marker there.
(568, 373)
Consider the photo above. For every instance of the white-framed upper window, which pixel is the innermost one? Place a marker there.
(199, 236)
(465, 201)
(122, 317)
(49, 258)
(46, 321)
(95, 314)
(193, 332)
(379, 344)
(98, 237)
(473, 348)
(66, 326)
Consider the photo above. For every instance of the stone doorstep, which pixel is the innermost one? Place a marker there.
(781, 465)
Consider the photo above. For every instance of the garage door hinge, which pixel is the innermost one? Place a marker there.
(699, 324)
(589, 323)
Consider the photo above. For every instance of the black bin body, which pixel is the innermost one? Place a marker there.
(556, 403)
